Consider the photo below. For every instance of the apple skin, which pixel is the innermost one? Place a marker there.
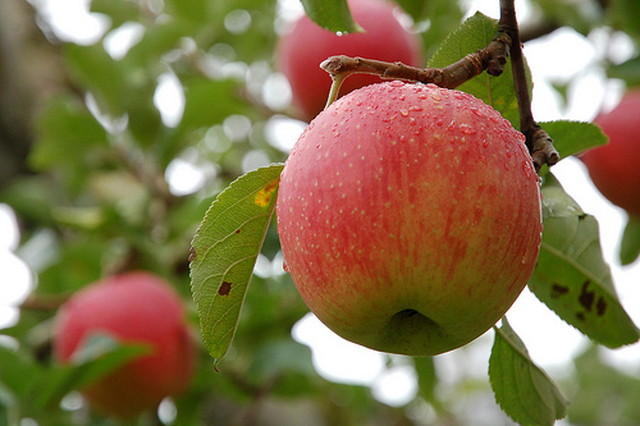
(409, 217)
(615, 168)
(300, 52)
(136, 307)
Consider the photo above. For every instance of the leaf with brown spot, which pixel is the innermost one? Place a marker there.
(586, 297)
(225, 288)
(571, 276)
(227, 244)
(558, 290)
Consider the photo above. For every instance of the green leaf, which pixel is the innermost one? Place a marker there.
(224, 252)
(449, 15)
(427, 378)
(333, 15)
(93, 68)
(574, 137)
(18, 372)
(630, 245)
(474, 34)
(204, 104)
(158, 39)
(628, 71)
(66, 127)
(99, 356)
(119, 11)
(44, 387)
(626, 14)
(571, 276)
(194, 10)
(417, 9)
(522, 389)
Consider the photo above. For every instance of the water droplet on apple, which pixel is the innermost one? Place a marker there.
(477, 112)
(467, 129)
(526, 167)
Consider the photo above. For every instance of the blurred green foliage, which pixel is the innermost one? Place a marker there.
(105, 194)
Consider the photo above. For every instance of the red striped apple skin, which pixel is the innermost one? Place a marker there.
(615, 168)
(409, 217)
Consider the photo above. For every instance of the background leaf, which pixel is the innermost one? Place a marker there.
(521, 388)
(626, 14)
(572, 278)
(100, 74)
(427, 378)
(574, 137)
(224, 252)
(628, 71)
(333, 15)
(449, 16)
(44, 387)
(99, 356)
(66, 127)
(630, 244)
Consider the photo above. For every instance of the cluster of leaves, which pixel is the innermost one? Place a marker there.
(100, 200)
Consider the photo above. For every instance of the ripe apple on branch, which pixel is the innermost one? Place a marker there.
(412, 224)
(386, 204)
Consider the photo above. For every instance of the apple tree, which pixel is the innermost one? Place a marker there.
(185, 139)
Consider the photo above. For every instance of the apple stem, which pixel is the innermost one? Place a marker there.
(335, 88)
(492, 59)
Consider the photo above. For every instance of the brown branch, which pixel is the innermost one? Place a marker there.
(538, 141)
(38, 302)
(537, 30)
(492, 59)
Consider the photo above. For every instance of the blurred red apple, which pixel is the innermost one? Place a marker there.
(615, 168)
(409, 217)
(136, 307)
(301, 51)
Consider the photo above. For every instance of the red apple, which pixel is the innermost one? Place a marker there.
(132, 307)
(409, 217)
(301, 51)
(615, 168)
